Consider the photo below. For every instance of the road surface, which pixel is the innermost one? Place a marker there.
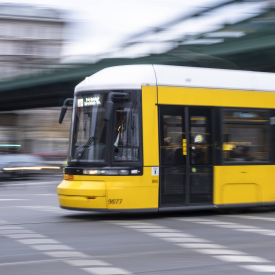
(37, 237)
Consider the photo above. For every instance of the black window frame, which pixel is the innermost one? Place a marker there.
(210, 125)
(270, 131)
(123, 163)
(136, 101)
(138, 105)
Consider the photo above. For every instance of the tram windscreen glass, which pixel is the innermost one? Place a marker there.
(246, 136)
(126, 137)
(88, 134)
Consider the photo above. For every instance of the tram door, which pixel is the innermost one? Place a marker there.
(186, 156)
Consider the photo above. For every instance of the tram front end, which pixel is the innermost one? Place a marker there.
(105, 169)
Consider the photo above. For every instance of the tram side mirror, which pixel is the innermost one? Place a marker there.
(64, 108)
(62, 114)
(109, 106)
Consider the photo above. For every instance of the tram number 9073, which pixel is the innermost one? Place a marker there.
(115, 201)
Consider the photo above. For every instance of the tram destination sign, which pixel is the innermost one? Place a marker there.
(88, 101)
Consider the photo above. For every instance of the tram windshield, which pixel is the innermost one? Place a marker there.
(94, 140)
(88, 133)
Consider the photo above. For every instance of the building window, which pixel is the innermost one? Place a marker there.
(245, 136)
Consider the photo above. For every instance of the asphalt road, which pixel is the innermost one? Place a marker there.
(37, 237)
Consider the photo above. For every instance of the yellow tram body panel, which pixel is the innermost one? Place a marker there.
(244, 184)
(110, 192)
(150, 126)
(215, 97)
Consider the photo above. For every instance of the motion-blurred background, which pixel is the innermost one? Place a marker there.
(47, 47)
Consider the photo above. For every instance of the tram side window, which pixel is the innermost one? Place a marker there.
(126, 137)
(172, 143)
(246, 136)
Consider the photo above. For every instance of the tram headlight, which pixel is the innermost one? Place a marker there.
(111, 172)
(124, 172)
(90, 172)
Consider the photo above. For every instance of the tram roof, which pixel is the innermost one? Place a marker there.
(136, 76)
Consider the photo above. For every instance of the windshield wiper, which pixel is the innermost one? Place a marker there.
(90, 141)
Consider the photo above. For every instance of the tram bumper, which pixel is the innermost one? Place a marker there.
(82, 195)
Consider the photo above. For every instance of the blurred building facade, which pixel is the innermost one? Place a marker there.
(35, 131)
(33, 82)
(30, 39)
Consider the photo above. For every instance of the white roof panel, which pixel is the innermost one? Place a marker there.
(135, 76)
(264, 81)
(202, 77)
(119, 77)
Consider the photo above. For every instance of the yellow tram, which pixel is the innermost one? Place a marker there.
(159, 138)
